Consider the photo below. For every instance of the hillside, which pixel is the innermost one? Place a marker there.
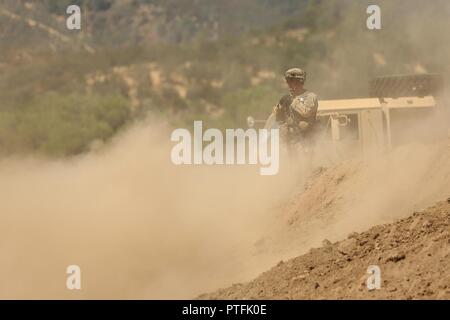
(412, 253)
(113, 23)
(159, 57)
(386, 211)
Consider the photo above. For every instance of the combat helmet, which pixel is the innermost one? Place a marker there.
(295, 73)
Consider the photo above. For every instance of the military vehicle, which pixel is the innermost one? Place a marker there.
(399, 109)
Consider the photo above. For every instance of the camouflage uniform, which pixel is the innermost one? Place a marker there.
(297, 114)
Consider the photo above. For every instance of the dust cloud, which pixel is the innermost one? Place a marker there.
(140, 227)
(413, 40)
(356, 193)
(137, 225)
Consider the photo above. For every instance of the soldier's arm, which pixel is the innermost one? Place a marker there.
(278, 111)
(282, 108)
(276, 108)
(305, 106)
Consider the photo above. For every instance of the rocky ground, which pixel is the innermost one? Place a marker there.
(413, 255)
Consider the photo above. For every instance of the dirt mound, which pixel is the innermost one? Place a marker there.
(413, 255)
(354, 196)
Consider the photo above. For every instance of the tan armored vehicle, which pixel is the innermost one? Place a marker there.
(399, 109)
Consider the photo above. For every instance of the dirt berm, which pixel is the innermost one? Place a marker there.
(389, 211)
(413, 255)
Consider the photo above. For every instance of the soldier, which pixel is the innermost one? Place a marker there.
(296, 113)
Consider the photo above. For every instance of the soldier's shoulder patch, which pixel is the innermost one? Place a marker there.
(308, 97)
(309, 94)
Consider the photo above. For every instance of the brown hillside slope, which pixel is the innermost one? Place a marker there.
(412, 253)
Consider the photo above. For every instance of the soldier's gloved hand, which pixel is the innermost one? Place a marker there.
(276, 109)
(303, 125)
(290, 122)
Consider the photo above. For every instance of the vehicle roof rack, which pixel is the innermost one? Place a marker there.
(415, 85)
